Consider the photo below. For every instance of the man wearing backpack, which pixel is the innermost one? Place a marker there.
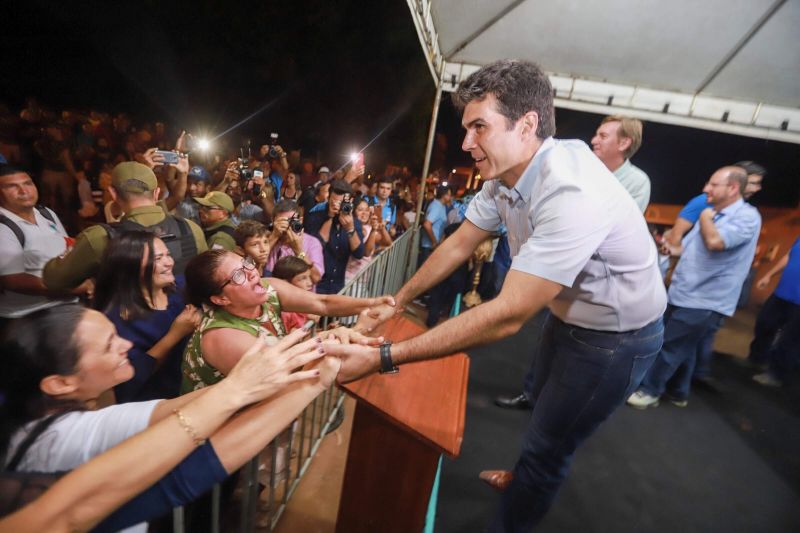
(135, 189)
(30, 234)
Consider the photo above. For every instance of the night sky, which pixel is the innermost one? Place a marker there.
(327, 76)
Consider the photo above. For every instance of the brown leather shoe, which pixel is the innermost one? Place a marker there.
(499, 480)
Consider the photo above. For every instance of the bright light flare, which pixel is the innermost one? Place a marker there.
(203, 144)
(354, 156)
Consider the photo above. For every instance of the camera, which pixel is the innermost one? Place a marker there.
(346, 206)
(273, 152)
(295, 224)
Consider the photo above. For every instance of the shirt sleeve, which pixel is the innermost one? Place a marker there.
(691, 211)
(12, 259)
(358, 253)
(81, 262)
(482, 210)
(567, 230)
(191, 478)
(741, 228)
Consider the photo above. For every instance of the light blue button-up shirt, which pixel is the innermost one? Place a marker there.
(712, 280)
(570, 221)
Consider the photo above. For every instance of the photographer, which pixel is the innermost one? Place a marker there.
(252, 200)
(291, 240)
(340, 233)
(275, 165)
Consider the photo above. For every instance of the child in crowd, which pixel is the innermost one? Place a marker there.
(252, 240)
(297, 272)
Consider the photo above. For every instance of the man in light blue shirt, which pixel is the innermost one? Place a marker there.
(715, 259)
(435, 221)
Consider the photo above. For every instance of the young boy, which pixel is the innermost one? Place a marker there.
(253, 240)
(297, 272)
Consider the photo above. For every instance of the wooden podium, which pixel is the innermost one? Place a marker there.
(403, 422)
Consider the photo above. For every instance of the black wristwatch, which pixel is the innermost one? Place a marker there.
(387, 367)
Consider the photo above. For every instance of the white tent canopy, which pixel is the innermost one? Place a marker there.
(724, 65)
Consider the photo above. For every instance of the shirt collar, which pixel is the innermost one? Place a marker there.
(623, 168)
(731, 209)
(524, 186)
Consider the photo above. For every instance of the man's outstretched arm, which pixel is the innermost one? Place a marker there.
(445, 259)
(522, 296)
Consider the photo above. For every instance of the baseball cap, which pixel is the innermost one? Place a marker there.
(199, 173)
(323, 169)
(216, 199)
(134, 177)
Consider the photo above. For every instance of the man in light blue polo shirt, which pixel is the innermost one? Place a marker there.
(715, 259)
(580, 245)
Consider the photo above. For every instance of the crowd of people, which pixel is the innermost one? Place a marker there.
(186, 282)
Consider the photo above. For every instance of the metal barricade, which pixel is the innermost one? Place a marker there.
(269, 479)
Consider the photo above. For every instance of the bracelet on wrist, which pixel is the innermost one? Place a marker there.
(186, 424)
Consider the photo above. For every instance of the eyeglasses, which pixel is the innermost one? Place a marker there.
(239, 276)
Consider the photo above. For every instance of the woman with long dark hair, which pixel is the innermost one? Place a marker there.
(60, 360)
(137, 290)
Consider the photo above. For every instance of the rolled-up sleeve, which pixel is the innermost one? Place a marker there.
(740, 229)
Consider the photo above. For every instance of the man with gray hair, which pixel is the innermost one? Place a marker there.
(715, 258)
(580, 246)
(615, 142)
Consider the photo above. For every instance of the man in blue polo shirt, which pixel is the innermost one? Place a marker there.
(686, 219)
(715, 259)
(781, 313)
(435, 221)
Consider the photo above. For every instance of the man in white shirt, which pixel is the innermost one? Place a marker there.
(615, 142)
(30, 235)
(580, 246)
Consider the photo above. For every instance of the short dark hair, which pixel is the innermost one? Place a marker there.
(519, 87)
(737, 174)
(386, 179)
(247, 229)
(441, 190)
(288, 267)
(341, 187)
(751, 167)
(318, 187)
(8, 170)
(285, 205)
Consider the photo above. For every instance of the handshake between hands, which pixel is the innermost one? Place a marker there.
(342, 354)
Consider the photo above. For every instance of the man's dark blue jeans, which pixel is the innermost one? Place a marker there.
(581, 376)
(673, 368)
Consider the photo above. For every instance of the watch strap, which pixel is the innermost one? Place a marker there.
(387, 367)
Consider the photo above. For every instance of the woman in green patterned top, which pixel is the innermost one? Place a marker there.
(240, 307)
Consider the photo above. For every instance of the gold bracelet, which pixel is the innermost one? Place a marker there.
(187, 427)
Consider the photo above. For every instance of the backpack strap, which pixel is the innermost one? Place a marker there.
(14, 229)
(46, 213)
(35, 433)
(188, 244)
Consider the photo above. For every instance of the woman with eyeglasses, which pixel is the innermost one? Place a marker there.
(138, 291)
(239, 305)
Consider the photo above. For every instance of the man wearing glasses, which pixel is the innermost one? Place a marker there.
(215, 216)
(715, 258)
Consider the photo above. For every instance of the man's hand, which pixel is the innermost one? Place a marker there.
(180, 144)
(85, 289)
(346, 221)
(763, 282)
(369, 319)
(151, 159)
(182, 166)
(349, 336)
(281, 225)
(294, 240)
(357, 360)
